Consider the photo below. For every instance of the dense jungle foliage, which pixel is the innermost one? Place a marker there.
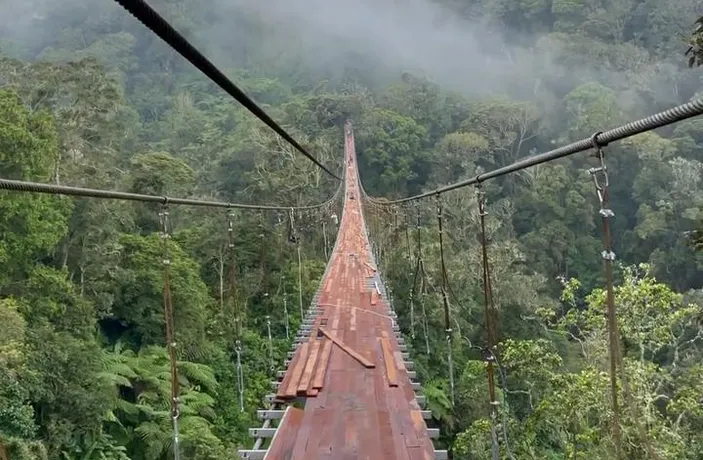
(89, 97)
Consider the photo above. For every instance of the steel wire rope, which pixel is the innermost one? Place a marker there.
(445, 301)
(282, 277)
(601, 182)
(657, 120)
(170, 333)
(38, 187)
(446, 275)
(489, 313)
(423, 282)
(157, 24)
(235, 308)
(504, 385)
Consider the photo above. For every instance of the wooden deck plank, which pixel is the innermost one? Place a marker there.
(286, 382)
(389, 359)
(283, 441)
(291, 390)
(357, 356)
(319, 379)
(309, 367)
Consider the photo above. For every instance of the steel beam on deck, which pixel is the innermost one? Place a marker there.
(263, 432)
(253, 454)
(273, 414)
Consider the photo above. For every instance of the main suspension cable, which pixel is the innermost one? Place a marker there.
(157, 24)
(673, 115)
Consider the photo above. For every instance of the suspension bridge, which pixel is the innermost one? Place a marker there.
(349, 389)
(350, 368)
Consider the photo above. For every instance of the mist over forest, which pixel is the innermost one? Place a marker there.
(436, 92)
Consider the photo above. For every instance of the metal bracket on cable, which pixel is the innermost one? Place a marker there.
(481, 200)
(230, 228)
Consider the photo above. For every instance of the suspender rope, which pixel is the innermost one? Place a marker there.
(293, 238)
(170, 337)
(240, 374)
(235, 308)
(407, 236)
(324, 237)
(414, 280)
(489, 313)
(423, 284)
(283, 283)
(262, 256)
(285, 310)
(447, 324)
(300, 282)
(272, 367)
(233, 273)
(423, 292)
(601, 182)
(412, 299)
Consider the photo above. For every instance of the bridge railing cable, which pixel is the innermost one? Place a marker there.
(38, 187)
(600, 139)
(157, 24)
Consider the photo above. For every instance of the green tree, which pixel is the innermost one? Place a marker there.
(32, 225)
(392, 146)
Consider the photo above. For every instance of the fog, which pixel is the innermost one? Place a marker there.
(399, 36)
(382, 38)
(394, 36)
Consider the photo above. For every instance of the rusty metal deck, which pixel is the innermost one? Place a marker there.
(349, 367)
